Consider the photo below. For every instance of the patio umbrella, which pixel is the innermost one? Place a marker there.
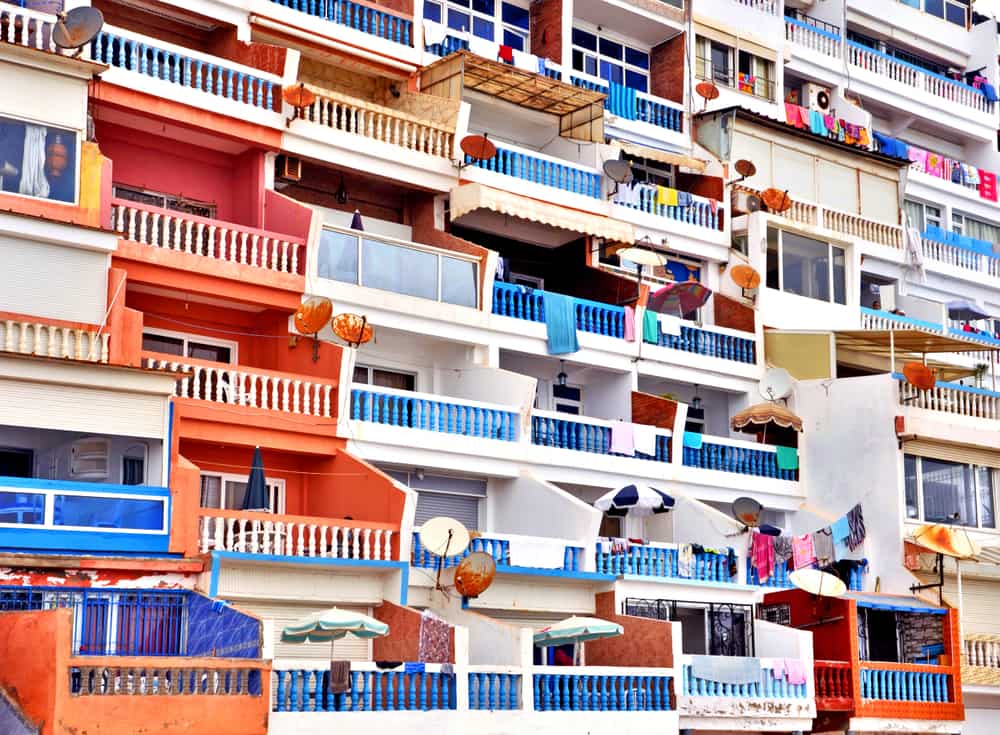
(332, 625)
(750, 419)
(679, 298)
(635, 501)
(965, 310)
(576, 631)
(256, 494)
(356, 223)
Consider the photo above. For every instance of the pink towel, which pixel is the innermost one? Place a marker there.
(792, 115)
(622, 439)
(802, 551)
(777, 666)
(762, 555)
(795, 670)
(629, 324)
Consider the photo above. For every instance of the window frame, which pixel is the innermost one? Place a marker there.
(496, 19)
(612, 37)
(131, 453)
(371, 367)
(928, 220)
(189, 337)
(78, 141)
(730, 78)
(278, 483)
(554, 401)
(831, 286)
(994, 474)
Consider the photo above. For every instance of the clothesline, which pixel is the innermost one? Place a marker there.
(827, 125)
(636, 193)
(436, 33)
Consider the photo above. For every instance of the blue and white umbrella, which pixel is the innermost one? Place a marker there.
(635, 501)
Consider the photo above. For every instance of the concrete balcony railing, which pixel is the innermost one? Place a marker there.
(209, 238)
(529, 304)
(765, 6)
(734, 455)
(978, 257)
(45, 339)
(951, 398)
(601, 689)
(767, 687)
(538, 168)
(809, 35)
(165, 677)
(906, 683)
(633, 104)
(725, 344)
(372, 690)
(982, 650)
(379, 22)
(235, 385)
(661, 560)
(585, 434)
(699, 212)
(310, 537)
(834, 685)
(498, 546)
(383, 124)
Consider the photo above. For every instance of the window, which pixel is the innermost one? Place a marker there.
(89, 511)
(567, 399)
(600, 55)
(953, 11)
(38, 160)
(756, 76)
(806, 267)
(226, 491)
(401, 268)
(922, 215)
(940, 491)
(714, 61)
(189, 345)
(779, 614)
(479, 17)
(963, 224)
(385, 378)
(17, 462)
(165, 201)
(134, 465)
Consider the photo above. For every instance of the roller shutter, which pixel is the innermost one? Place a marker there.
(952, 453)
(523, 618)
(463, 508)
(279, 614)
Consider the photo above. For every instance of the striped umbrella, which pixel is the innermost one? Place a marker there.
(678, 298)
(576, 630)
(331, 625)
(635, 501)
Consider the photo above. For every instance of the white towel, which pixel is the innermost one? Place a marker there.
(540, 553)
(434, 33)
(645, 439)
(481, 47)
(670, 325)
(915, 253)
(526, 61)
(33, 181)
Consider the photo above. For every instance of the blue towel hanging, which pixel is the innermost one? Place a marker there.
(560, 323)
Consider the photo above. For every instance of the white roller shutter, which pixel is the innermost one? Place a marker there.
(952, 452)
(73, 285)
(279, 614)
(76, 408)
(463, 508)
(524, 619)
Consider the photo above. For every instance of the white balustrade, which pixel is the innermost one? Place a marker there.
(383, 124)
(50, 340)
(184, 233)
(28, 28)
(813, 38)
(864, 228)
(236, 386)
(971, 402)
(982, 650)
(766, 6)
(257, 533)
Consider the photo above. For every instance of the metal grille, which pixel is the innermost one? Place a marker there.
(730, 626)
(781, 613)
(112, 622)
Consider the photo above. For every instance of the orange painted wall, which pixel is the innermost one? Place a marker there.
(33, 647)
(283, 214)
(124, 325)
(833, 641)
(403, 641)
(645, 643)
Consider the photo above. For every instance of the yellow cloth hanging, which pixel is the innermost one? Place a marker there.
(863, 137)
(666, 197)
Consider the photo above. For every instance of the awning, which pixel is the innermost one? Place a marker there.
(896, 603)
(470, 197)
(580, 111)
(916, 341)
(656, 154)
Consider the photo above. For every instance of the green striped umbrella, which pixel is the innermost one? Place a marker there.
(333, 624)
(577, 630)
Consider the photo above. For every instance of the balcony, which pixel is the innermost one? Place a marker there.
(976, 404)
(722, 454)
(632, 105)
(637, 199)
(499, 547)
(768, 687)
(660, 561)
(584, 434)
(981, 660)
(538, 168)
(209, 239)
(25, 336)
(815, 35)
(60, 515)
(964, 257)
(368, 19)
(247, 532)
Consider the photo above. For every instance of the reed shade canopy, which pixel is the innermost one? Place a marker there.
(751, 420)
(580, 111)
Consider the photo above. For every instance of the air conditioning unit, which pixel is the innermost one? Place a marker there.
(816, 97)
(89, 459)
(745, 202)
(289, 168)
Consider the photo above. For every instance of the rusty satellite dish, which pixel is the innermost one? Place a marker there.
(77, 27)
(776, 200)
(941, 539)
(919, 375)
(475, 574)
(745, 168)
(311, 317)
(478, 147)
(354, 329)
(299, 97)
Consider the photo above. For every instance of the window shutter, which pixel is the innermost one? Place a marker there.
(463, 508)
(952, 453)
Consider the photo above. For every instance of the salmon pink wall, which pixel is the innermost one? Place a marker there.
(645, 643)
(282, 214)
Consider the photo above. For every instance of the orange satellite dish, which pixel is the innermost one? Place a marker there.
(941, 539)
(475, 574)
(776, 199)
(298, 95)
(707, 90)
(478, 147)
(352, 328)
(919, 375)
(745, 277)
(313, 314)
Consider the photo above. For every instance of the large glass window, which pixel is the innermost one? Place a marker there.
(922, 215)
(806, 267)
(953, 11)
(228, 492)
(412, 271)
(22, 507)
(397, 379)
(941, 491)
(89, 511)
(714, 61)
(600, 55)
(187, 345)
(502, 22)
(963, 224)
(38, 160)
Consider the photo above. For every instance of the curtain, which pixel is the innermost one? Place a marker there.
(211, 491)
(33, 181)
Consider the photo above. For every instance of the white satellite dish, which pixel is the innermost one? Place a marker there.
(443, 536)
(776, 384)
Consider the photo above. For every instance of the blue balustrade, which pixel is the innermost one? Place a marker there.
(699, 213)
(364, 18)
(581, 436)
(594, 317)
(499, 549)
(778, 579)
(185, 71)
(767, 687)
(543, 171)
(712, 344)
(573, 559)
(492, 690)
(449, 45)
(308, 690)
(913, 684)
(601, 693)
(665, 562)
(636, 107)
(415, 412)
(741, 460)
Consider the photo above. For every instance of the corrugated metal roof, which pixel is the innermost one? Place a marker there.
(898, 603)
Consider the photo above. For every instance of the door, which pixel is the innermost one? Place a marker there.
(882, 636)
(16, 462)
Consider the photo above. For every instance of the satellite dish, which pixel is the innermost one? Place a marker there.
(310, 317)
(776, 200)
(354, 329)
(818, 583)
(747, 511)
(707, 91)
(77, 27)
(475, 574)
(945, 540)
(745, 168)
(745, 277)
(618, 171)
(299, 97)
(753, 203)
(478, 147)
(443, 536)
(776, 384)
(919, 375)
